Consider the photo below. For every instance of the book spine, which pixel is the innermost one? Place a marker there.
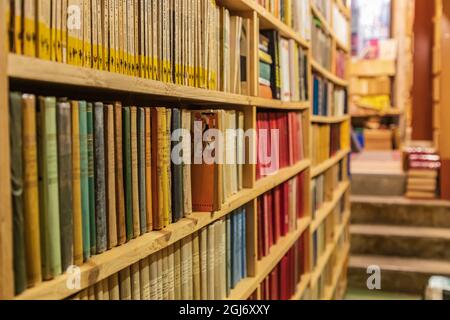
(76, 187)
(204, 263)
(153, 260)
(135, 282)
(167, 178)
(135, 173)
(228, 255)
(84, 179)
(65, 182)
(210, 262)
(17, 187)
(144, 273)
(187, 194)
(177, 173)
(177, 270)
(196, 266)
(91, 180)
(126, 117)
(142, 170)
(49, 198)
(125, 284)
(110, 176)
(148, 170)
(100, 198)
(120, 192)
(31, 193)
(114, 290)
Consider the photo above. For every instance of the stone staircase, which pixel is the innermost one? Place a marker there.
(408, 239)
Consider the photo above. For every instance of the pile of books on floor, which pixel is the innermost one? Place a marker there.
(423, 166)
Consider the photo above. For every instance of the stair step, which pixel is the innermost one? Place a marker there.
(400, 211)
(407, 275)
(379, 184)
(414, 242)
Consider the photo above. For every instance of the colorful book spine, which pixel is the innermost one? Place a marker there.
(142, 170)
(84, 180)
(49, 198)
(126, 117)
(91, 177)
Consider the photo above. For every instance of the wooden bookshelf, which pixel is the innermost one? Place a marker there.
(342, 260)
(20, 70)
(321, 168)
(328, 74)
(264, 267)
(330, 249)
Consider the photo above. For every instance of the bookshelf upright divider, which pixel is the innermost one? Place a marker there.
(23, 69)
(6, 242)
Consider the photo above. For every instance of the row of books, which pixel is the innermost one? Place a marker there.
(283, 68)
(341, 27)
(295, 14)
(204, 266)
(324, 185)
(324, 7)
(278, 213)
(340, 64)
(328, 138)
(282, 282)
(328, 99)
(329, 272)
(321, 44)
(87, 177)
(280, 141)
(177, 41)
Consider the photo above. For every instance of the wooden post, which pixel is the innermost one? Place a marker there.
(6, 245)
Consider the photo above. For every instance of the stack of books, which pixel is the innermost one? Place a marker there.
(423, 173)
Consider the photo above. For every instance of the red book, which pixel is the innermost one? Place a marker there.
(261, 252)
(300, 196)
(274, 285)
(284, 280)
(276, 205)
(285, 201)
(269, 208)
(259, 124)
(273, 125)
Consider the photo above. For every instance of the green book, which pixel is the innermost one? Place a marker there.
(17, 184)
(84, 168)
(126, 127)
(64, 127)
(100, 178)
(141, 170)
(91, 178)
(48, 188)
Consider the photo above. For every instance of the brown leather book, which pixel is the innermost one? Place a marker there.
(31, 193)
(204, 171)
(120, 191)
(76, 187)
(134, 173)
(110, 176)
(148, 169)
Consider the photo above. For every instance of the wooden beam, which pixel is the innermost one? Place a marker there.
(6, 260)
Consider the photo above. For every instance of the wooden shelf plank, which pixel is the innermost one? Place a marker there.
(328, 74)
(301, 288)
(106, 264)
(329, 119)
(264, 267)
(339, 269)
(266, 19)
(329, 206)
(323, 260)
(32, 69)
(321, 168)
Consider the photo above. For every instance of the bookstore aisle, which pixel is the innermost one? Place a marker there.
(174, 150)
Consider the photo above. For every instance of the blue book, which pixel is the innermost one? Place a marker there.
(235, 250)
(239, 244)
(228, 253)
(244, 243)
(316, 96)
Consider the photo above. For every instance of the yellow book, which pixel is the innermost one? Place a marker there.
(126, 34)
(105, 34)
(137, 39)
(162, 165)
(53, 27)
(29, 24)
(76, 187)
(120, 35)
(71, 35)
(63, 32)
(155, 42)
(87, 35)
(112, 38)
(44, 25)
(94, 40)
(99, 17)
(31, 192)
(17, 43)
